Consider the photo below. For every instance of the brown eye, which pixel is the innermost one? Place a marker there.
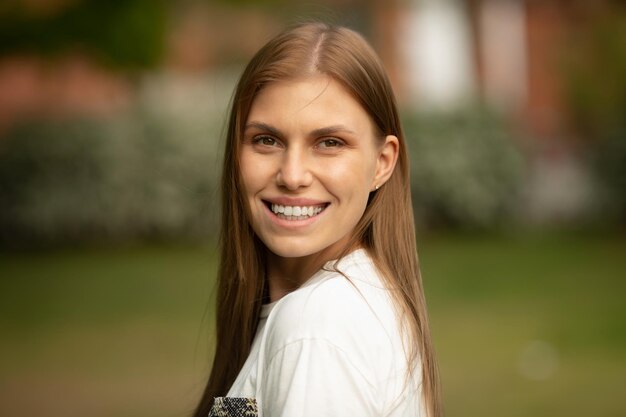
(265, 140)
(330, 143)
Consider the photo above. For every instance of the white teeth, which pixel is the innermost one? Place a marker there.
(297, 212)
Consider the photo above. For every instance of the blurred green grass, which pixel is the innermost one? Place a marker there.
(126, 331)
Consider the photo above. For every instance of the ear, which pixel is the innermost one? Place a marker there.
(386, 162)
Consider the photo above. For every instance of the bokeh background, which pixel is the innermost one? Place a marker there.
(111, 132)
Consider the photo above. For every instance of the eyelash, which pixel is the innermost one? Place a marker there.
(258, 140)
(336, 143)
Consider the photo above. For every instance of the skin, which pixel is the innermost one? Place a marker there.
(310, 139)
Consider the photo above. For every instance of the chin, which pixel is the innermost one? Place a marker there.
(291, 247)
(291, 251)
(299, 247)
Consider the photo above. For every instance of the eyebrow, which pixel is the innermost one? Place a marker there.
(322, 131)
(263, 126)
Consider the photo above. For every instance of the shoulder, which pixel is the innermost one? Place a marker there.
(348, 308)
(342, 294)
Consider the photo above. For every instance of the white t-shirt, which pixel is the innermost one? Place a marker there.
(333, 347)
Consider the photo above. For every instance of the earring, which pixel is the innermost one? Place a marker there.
(377, 186)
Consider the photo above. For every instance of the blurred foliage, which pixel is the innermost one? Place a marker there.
(91, 180)
(594, 76)
(465, 169)
(609, 163)
(124, 33)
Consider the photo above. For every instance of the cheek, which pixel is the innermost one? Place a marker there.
(351, 179)
(252, 174)
(355, 166)
(248, 180)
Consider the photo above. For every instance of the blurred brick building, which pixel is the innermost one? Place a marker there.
(507, 53)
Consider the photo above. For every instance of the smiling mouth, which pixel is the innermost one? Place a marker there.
(295, 212)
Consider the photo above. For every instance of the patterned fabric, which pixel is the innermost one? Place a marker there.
(234, 407)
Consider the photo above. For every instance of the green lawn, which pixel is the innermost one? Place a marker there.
(525, 326)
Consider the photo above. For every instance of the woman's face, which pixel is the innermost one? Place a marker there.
(309, 160)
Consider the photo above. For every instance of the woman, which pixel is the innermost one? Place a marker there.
(321, 310)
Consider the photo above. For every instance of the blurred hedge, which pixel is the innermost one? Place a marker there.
(92, 180)
(608, 160)
(466, 170)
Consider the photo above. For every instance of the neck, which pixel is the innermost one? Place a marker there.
(287, 274)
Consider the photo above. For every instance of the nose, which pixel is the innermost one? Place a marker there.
(294, 171)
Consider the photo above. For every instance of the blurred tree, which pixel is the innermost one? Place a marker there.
(595, 89)
(595, 72)
(125, 33)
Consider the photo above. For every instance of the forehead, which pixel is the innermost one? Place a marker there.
(310, 102)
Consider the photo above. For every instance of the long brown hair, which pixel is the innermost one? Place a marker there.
(386, 229)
